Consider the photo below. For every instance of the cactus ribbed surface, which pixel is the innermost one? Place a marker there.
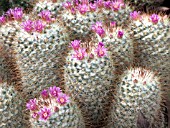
(89, 82)
(138, 92)
(40, 57)
(112, 60)
(151, 36)
(10, 107)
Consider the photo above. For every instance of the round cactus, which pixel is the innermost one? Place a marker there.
(88, 78)
(139, 92)
(151, 43)
(39, 55)
(10, 107)
(54, 109)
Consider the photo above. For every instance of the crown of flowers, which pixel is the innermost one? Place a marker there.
(49, 103)
(80, 53)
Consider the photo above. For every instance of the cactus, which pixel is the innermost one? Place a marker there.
(88, 79)
(54, 109)
(45, 50)
(107, 37)
(10, 107)
(138, 92)
(151, 34)
(53, 7)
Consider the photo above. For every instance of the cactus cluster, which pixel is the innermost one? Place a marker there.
(109, 60)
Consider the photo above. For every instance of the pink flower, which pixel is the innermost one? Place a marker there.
(80, 54)
(67, 5)
(2, 20)
(44, 113)
(100, 3)
(44, 93)
(117, 4)
(84, 1)
(54, 91)
(73, 11)
(107, 4)
(75, 44)
(39, 26)
(76, 2)
(83, 8)
(100, 44)
(93, 7)
(17, 13)
(135, 15)
(120, 34)
(31, 105)
(62, 99)
(101, 50)
(113, 24)
(100, 32)
(45, 15)
(97, 25)
(28, 25)
(9, 14)
(35, 115)
(154, 18)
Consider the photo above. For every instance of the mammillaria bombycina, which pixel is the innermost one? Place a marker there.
(88, 79)
(51, 107)
(138, 92)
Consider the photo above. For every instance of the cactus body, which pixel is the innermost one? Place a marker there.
(10, 107)
(35, 56)
(151, 45)
(89, 82)
(139, 91)
(69, 116)
(54, 8)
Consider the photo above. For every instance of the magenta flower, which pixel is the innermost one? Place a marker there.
(113, 24)
(9, 14)
(17, 13)
(107, 4)
(62, 99)
(100, 44)
(73, 11)
(75, 44)
(101, 50)
(44, 93)
(100, 3)
(84, 1)
(117, 4)
(27, 25)
(80, 54)
(2, 20)
(100, 32)
(120, 34)
(39, 26)
(75, 2)
(93, 6)
(54, 91)
(67, 5)
(83, 8)
(31, 105)
(97, 25)
(154, 18)
(35, 115)
(44, 113)
(135, 15)
(45, 15)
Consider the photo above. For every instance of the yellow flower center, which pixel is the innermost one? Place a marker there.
(62, 100)
(45, 114)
